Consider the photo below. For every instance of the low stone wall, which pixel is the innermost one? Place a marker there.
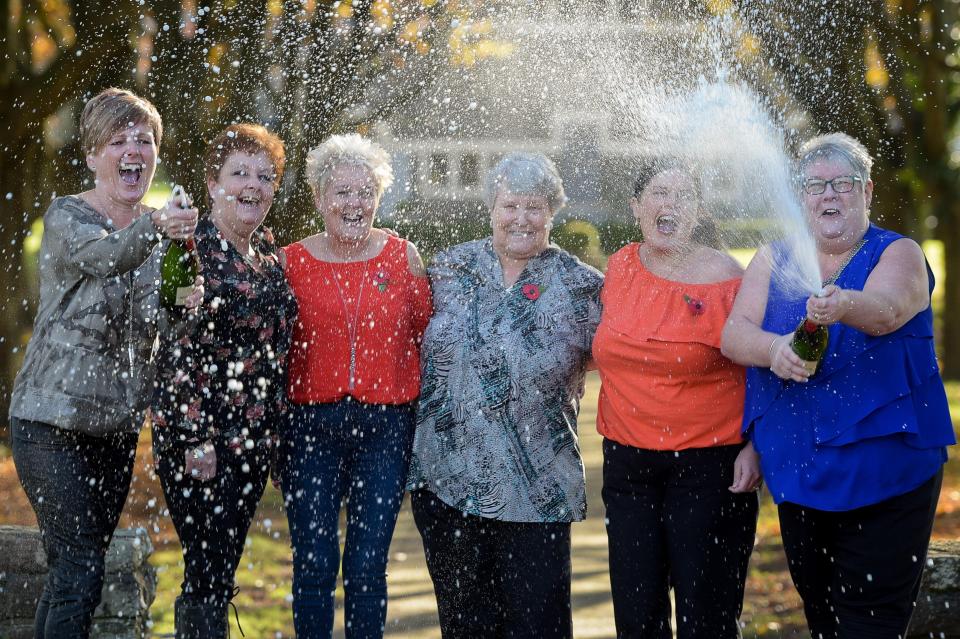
(938, 606)
(128, 590)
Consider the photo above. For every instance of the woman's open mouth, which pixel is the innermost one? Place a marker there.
(130, 172)
(249, 201)
(667, 224)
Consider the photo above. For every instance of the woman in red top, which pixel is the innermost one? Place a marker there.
(678, 481)
(364, 303)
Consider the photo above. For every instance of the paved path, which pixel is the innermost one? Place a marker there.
(413, 610)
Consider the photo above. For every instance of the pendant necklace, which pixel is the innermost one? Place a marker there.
(351, 326)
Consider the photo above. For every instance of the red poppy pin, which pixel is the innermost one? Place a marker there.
(695, 305)
(381, 280)
(530, 291)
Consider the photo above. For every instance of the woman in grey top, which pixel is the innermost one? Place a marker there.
(87, 376)
(496, 475)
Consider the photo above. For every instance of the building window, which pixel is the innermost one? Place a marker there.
(470, 170)
(439, 169)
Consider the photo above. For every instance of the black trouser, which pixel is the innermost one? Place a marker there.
(858, 571)
(495, 579)
(77, 485)
(672, 522)
(212, 517)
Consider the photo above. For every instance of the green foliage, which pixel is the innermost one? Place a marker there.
(580, 238)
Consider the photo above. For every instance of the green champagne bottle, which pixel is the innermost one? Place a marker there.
(180, 265)
(810, 343)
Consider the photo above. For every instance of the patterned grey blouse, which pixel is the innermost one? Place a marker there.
(502, 377)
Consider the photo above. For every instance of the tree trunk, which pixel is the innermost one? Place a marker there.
(950, 342)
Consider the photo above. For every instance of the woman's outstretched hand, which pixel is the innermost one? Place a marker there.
(829, 307)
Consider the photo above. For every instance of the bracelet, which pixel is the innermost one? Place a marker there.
(770, 349)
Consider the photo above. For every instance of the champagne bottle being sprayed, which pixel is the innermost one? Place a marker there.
(181, 264)
(810, 342)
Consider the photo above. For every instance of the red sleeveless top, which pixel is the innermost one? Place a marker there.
(359, 327)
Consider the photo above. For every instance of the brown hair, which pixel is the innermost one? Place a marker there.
(112, 110)
(248, 138)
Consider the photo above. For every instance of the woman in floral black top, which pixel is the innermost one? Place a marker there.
(220, 390)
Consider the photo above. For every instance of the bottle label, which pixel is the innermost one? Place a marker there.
(811, 367)
(183, 292)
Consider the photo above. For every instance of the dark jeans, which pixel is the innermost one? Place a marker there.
(77, 485)
(495, 579)
(212, 517)
(328, 452)
(858, 571)
(672, 522)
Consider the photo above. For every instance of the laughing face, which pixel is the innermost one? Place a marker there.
(124, 166)
(348, 203)
(521, 224)
(833, 216)
(667, 209)
(243, 192)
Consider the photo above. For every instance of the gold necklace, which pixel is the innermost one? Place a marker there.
(850, 255)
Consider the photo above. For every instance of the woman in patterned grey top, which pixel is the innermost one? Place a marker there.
(496, 475)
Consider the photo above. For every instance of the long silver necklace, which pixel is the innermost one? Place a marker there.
(351, 326)
(850, 256)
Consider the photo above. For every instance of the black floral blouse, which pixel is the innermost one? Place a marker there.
(227, 378)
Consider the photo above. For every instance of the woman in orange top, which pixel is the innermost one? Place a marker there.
(364, 303)
(678, 482)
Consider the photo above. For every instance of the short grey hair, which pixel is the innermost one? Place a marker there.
(526, 174)
(353, 149)
(836, 146)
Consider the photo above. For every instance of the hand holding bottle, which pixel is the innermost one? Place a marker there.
(180, 281)
(178, 218)
(784, 362)
(195, 298)
(829, 306)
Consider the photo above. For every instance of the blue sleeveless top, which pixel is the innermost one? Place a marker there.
(872, 423)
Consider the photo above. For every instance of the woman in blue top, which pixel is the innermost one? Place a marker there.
(853, 454)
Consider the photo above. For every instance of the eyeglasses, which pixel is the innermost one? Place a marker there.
(839, 184)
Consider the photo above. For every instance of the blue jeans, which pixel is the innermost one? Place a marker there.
(77, 485)
(328, 452)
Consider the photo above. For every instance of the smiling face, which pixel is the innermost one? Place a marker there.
(242, 194)
(521, 224)
(667, 209)
(124, 166)
(348, 203)
(837, 217)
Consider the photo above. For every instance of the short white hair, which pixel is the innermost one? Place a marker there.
(526, 174)
(351, 148)
(834, 146)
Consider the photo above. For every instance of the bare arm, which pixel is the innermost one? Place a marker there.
(415, 262)
(744, 341)
(896, 290)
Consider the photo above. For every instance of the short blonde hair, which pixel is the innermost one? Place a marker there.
(112, 110)
(348, 149)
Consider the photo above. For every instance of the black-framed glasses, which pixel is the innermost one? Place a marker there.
(839, 184)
